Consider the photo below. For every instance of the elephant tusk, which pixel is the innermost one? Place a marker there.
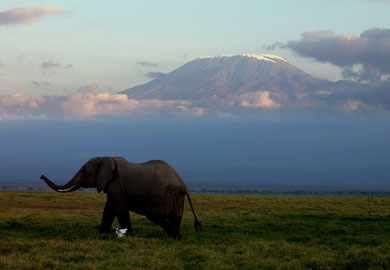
(66, 190)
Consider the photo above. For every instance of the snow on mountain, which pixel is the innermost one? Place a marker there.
(261, 57)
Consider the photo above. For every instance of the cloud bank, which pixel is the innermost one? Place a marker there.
(26, 15)
(369, 98)
(364, 57)
(85, 104)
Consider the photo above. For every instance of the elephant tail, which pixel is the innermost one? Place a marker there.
(197, 225)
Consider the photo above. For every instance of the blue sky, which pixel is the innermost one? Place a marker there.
(102, 43)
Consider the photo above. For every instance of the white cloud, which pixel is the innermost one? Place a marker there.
(90, 104)
(189, 110)
(353, 105)
(17, 100)
(26, 15)
(259, 99)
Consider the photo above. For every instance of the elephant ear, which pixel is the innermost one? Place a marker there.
(106, 172)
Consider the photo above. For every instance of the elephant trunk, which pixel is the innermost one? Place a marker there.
(70, 186)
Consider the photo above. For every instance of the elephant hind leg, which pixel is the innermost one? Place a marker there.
(163, 222)
(175, 221)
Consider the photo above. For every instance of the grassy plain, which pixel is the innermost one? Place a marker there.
(60, 231)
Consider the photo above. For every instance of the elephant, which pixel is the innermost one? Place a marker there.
(153, 189)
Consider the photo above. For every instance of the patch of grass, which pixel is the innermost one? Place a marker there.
(60, 231)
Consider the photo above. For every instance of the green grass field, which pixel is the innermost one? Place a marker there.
(60, 231)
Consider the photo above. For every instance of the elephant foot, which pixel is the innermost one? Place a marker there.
(168, 227)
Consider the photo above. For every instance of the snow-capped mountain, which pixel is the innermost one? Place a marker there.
(247, 80)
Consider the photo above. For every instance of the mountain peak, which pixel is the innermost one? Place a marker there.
(260, 57)
(209, 81)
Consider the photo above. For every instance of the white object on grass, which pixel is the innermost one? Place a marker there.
(120, 232)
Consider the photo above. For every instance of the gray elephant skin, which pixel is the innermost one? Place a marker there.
(153, 189)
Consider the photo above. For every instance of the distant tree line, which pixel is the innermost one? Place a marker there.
(297, 192)
(293, 192)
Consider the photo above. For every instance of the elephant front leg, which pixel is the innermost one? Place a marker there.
(108, 218)
(124, 221)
